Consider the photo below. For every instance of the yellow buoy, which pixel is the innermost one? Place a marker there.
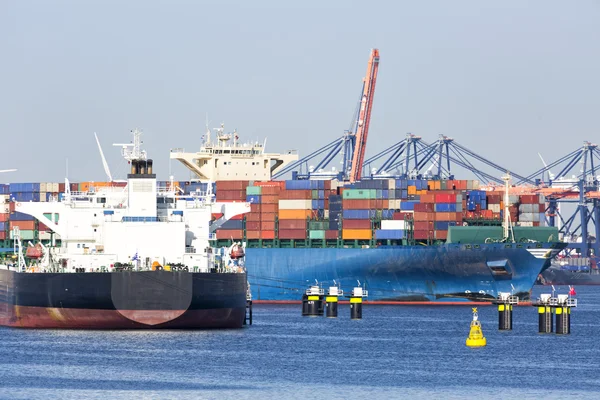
(476, 338)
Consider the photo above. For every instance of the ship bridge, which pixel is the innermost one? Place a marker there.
(226, 159)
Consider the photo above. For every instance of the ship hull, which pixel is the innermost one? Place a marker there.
(450, 272)
(122, 300)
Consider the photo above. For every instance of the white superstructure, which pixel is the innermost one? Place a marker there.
(226, 159)
(140, 224)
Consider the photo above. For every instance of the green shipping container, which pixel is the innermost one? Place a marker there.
(316, 234)
(25, 235)
(254, 190)
(315, 195)
(360, 194)
(318, 225)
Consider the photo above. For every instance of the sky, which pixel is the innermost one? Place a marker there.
(507, 79)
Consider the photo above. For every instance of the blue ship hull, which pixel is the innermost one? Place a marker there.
(450, 272)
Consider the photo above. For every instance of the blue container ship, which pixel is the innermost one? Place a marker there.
(448, 272)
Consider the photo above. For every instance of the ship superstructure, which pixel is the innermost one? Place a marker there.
(227, 159)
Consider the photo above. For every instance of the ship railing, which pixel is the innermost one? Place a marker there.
(178, 150)
(312, 291)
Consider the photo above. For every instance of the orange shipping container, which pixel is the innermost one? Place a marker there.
(267, 234)
(359, 234)
(4, 217)
(252, 234)
(229, 234)
(252, 226)
(23, 225)
(255, 208)
(427, 198)
(279, 184)
(294, 214)
(412, 190)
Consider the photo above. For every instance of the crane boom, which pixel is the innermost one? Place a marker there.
(364, 116)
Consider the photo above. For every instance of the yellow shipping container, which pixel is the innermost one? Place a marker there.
(362, 234)
(294, 214)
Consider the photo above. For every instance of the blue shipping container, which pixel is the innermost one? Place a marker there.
(445, 207)
(359, 214)
(17, 216)
(407, 206)
(389, 234)
(233, 224)
(253, 198)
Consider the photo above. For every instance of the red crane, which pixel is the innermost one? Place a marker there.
(364, 116)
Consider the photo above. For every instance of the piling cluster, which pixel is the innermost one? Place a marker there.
(316, 303)
(558, 307)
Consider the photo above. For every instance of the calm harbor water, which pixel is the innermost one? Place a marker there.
(393, 352)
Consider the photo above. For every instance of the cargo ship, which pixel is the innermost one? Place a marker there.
(122, 256)
(571, 271)
(403, 239)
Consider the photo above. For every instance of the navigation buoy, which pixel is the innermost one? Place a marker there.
(476, 338)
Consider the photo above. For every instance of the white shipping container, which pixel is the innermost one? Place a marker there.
(46, 235)
(54, 188)
(397, 204)
(295, 204)
(391, 184)
(392, 224)
(4, 208)
(326, 214)
(43, 187)
(524, 223)
(494, 207)
(42, 197)
(475, 185)
(4, 198)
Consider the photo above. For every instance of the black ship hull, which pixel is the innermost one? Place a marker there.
(122, 300)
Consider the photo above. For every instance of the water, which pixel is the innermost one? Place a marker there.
(393, 352)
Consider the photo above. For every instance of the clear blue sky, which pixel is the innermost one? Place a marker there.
(506, 78)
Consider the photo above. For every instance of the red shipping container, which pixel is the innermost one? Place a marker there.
(331, 234)
(292, 224)
(269, 208)
(423, 234)
(529, 199)
(61, 187)
(231, 195)
(252, 217)
(270, 190)
(542, 208)
(42, 227)
(238, 217)
(424, 207)
(216, 216)
(252, 234)
(267, 225)
(445, 198)
(24, 225)
(423, 225)
(267, 234)
(232, 185)
(4, 217)
(441, 235)
(358, 204)
(267, 216)
(292, 234)
(356, 224)
(403, 216)
(269, 199)
(279, 184)
(295, 195)
(255, 208)
(253, 226)
(494, 199)
(230, 233)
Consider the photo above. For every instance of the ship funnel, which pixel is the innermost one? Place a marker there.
(134, 167)
(149, 166)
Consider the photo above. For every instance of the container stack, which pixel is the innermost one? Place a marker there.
(295, 209)
(4, 213)
(531, 210)
(26, 224)
(231, 191)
